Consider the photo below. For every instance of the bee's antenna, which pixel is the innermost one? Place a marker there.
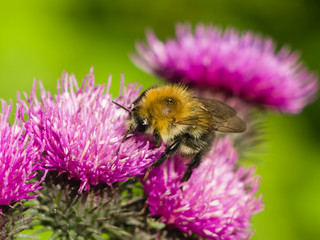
(121, 106)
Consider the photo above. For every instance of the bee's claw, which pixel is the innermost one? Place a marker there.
(181, 188)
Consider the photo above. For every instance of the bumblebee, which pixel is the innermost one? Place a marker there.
(183, 122)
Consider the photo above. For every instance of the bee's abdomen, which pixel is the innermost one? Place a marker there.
(191, 143)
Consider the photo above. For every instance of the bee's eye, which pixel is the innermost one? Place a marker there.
(145, 122)
(141, 122)
(142, 125)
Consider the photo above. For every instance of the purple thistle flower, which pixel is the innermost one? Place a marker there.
(241, 65)
(82, 130)
(217, 201)
(19, 159)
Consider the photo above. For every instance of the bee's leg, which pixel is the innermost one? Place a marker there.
(125, 137)
(167, 153)
(192, 165)
(156, 138)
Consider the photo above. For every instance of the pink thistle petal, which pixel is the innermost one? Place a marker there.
(82, 130)
(243, 65)
(19, 158)
(217, 202)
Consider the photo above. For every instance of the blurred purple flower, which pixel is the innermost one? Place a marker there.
(241, 65)
(82, 130)
(19, 159)
(217, 202)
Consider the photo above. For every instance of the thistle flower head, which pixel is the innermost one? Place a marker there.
(217, 201)
(244, 66)
(19, 159)
(82, 130)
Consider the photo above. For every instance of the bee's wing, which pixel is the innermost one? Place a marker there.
(219, 116)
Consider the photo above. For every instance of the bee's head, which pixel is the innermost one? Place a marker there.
(137, 123)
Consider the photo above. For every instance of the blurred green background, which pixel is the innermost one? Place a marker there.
(40, 39)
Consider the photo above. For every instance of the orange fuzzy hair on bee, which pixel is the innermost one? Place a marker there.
(166, 106)
(183, 122)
